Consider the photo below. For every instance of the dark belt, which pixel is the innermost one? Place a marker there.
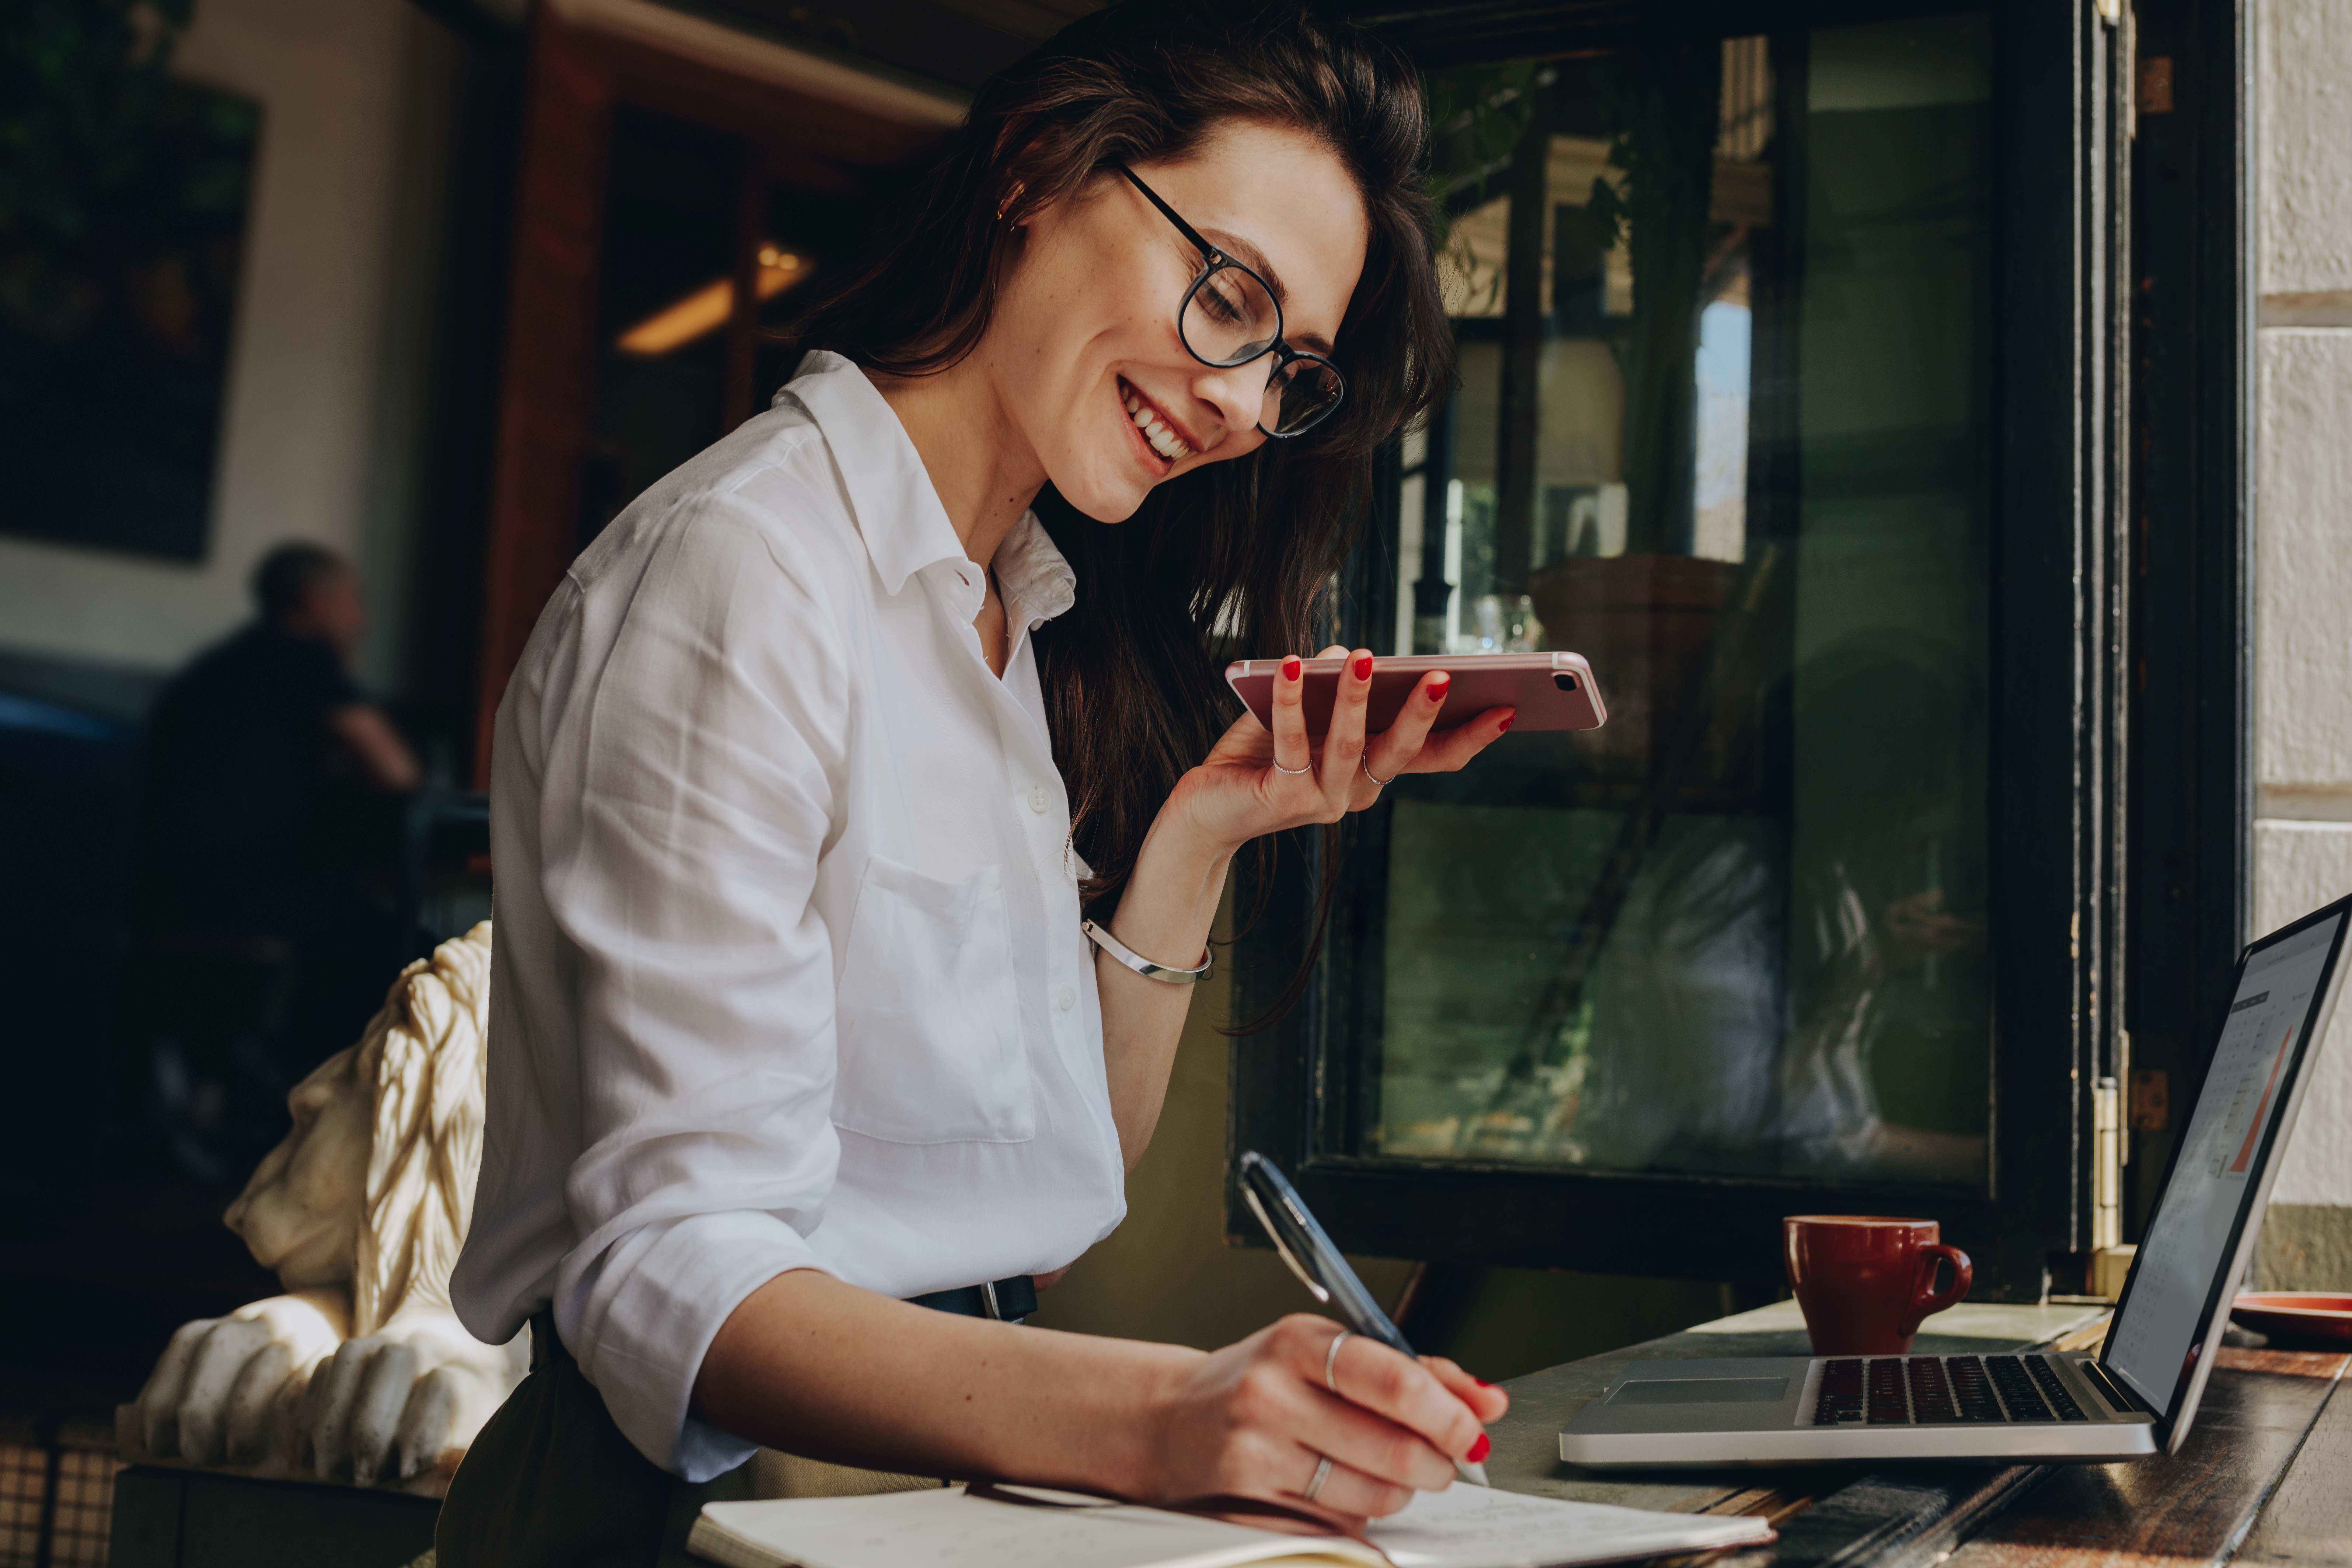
(1007, 1299)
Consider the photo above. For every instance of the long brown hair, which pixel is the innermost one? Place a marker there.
(1131, 679)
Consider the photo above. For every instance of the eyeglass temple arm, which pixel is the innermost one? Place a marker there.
(1186, 229)
(1282, 352)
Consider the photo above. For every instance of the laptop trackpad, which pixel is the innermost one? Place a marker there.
(1703, 1391)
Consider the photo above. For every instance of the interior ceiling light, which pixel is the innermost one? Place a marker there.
(707, 308)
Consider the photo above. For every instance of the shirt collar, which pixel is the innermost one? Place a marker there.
(897, 511)
(1034, 572)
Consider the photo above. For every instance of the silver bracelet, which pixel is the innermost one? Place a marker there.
(1142, 965)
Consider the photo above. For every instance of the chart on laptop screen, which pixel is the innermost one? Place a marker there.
(2191, 1228)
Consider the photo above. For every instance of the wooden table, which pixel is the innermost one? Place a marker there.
(2266, 1475)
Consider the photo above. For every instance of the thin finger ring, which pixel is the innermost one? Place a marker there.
(1322, 1474)
(1376, 778)
(1307, 769)
(1331, 1362)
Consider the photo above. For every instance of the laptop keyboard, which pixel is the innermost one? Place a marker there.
(1920, 1390)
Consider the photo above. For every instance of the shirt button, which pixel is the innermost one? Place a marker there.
(1039, 800)
(1068, 998)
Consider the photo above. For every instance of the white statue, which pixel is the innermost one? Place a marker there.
(360, 1372)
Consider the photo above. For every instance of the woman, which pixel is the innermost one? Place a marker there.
(821, 753)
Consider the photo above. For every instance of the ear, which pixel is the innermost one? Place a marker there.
(1011, 184)
(1031, 165)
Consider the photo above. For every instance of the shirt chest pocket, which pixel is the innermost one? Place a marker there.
(929, 1021)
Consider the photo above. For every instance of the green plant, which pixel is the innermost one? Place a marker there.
(81, 83)
(116, 181)
(1475, 117)
(122, 205)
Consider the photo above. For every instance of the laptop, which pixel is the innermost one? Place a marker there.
(2138, 1396)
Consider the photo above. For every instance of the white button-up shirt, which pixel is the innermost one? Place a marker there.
(788, 971)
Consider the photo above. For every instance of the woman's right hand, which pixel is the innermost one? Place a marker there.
(1256, 1420)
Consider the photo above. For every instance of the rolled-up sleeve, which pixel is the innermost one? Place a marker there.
(689, 787)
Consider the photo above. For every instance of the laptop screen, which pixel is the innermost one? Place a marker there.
(2192, 1235)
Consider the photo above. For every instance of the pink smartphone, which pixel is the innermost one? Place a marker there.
(1551, 690)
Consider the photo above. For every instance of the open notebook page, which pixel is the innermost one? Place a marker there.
(901, 1529)
(1480, 1527)
(1462, 1526)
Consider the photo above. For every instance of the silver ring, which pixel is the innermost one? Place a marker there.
(1280, 769)
(1376, 778)
(1322, 1474)
(1331, 1362)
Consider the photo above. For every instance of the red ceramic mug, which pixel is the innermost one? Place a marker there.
(1865, 1281)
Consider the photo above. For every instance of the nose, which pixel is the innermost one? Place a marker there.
(1238, 393)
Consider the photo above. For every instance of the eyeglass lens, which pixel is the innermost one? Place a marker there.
(1230, 319)
(1300, 394)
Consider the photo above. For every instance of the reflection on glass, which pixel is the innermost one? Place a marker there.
(1723, 429)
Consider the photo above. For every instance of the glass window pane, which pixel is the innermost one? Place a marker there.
(1733, 446)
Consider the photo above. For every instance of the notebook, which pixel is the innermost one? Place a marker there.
(1031, 1527)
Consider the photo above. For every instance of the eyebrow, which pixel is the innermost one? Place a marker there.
(1251, 257)
(1234, 245)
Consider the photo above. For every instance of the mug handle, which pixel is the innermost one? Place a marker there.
(1925, 1299)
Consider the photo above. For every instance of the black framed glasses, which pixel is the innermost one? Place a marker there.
(1231, 317)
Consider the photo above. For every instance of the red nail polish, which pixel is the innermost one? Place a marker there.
(1364, 668)
(1481, 1448)
(1509, 722)
(1438, 685)
(1482, 1382)
(1291, 667)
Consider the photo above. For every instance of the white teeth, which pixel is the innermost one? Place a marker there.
(1155, 430)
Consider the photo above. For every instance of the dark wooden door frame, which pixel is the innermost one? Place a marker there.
(578, 75)
(543, 410)
(2189, 676)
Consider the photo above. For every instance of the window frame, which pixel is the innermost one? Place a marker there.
(2063, 584)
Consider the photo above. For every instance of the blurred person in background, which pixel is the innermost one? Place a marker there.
(265, 855)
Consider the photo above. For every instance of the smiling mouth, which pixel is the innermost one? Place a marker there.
(1154, 430)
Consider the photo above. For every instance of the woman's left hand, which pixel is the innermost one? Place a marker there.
(1257, 781)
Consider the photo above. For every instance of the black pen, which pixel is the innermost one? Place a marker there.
(1320, 1267)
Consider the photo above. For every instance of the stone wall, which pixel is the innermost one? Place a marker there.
(2303, 621)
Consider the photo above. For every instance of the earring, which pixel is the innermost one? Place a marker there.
(1010, 202)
